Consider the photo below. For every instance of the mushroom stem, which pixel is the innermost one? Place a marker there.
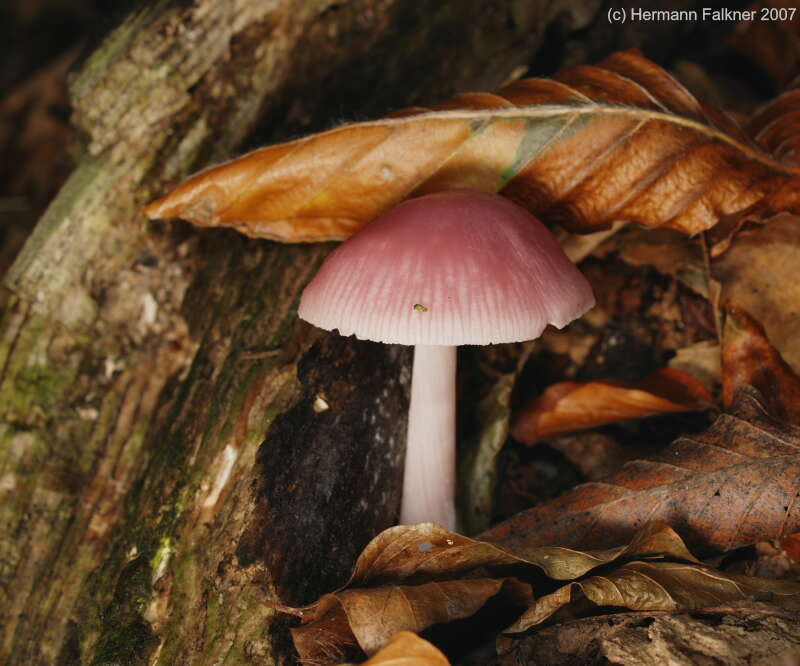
(430, 468)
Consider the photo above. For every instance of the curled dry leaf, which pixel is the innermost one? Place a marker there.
(619, 141)
(385, 594)
(367, 618)
(773, 44)
(660, 586)
(702, 361)
(758, 274)
(407, 649)
(569, 406)
(593, 453)
(363, 617)
(774, 127)
(748, 357)
(34, 132)
(669, 252)
(734, 484)
(791, 546)
(579, 246)
(424, 552)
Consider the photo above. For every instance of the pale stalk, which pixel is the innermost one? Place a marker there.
(430, 468)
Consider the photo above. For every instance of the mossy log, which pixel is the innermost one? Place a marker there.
(175, 446)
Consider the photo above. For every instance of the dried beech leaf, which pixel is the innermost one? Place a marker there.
(666, 586)
(569, 406)
(735, 484)
(774, 127)
(700, 360)
(773, 44)
(748, 357)
(791, 546)
(385, 594)
(593, 453)
(758, 273)
(424, 552)
(619, 141)
(34, 131)
(369, 617)
(407, 649)
(669, 252)
(579, 246)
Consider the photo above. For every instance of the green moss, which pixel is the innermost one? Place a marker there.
(160, 560)
(127, 637)
(34, 385)
(215, 617)
(185, 602)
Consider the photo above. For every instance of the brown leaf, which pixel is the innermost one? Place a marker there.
(774, 44)
(791, 545)
(702, 361)
(735, 484)
(569, 406)
(407, 649)
(579, 246)
(619, 141)
(668, 252)
(774, 127)
(758, 273)
(415, 553)
(665, 586)
(594, 454)
(369, 617)
(34, 131)
(748, 357)
(405, 579)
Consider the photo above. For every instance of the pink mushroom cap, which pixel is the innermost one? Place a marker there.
(452, 268)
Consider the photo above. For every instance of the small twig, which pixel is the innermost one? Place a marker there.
(255, 354)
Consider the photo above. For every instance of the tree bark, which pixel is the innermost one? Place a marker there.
(175, 446)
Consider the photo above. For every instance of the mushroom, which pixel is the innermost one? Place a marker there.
(446, 269)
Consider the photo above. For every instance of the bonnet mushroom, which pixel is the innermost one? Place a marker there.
(446, 269)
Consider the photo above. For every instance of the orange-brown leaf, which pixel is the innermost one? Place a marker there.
(758, 273)
(735, 484)
(407, 649)
(773, 44)
(618, 141)
(668, 252)
(410, 577)
(367, 618)
(748, 357)
(775, 126)
(424, 552)
(570, 406)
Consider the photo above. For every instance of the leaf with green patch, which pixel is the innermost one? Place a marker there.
(619, 141)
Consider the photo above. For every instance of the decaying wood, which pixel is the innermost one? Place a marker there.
(746, 633)
(174, 446)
